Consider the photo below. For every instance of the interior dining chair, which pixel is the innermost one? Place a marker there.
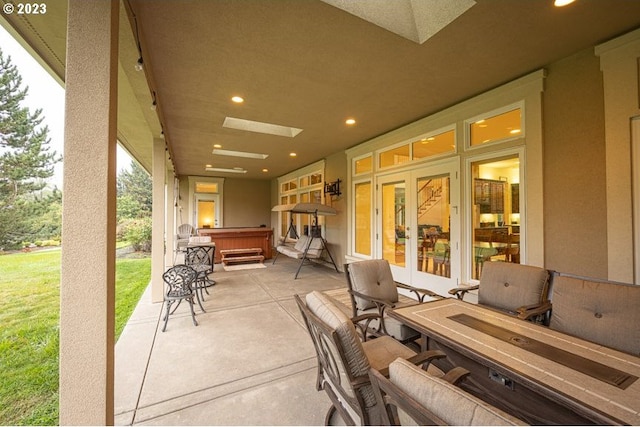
(344, 360)
(516, 289)
(373, 290)
(179, 281)
(411, 396)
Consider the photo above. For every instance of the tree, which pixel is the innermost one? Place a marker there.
(26, 160)
(135, 193)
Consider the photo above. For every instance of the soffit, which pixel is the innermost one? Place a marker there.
(310, 65)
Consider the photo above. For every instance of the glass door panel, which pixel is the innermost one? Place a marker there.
(394, 223)
(436, 221)
(433, 252)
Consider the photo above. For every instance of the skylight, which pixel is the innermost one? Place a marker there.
(244, 154)
(260, 127)
(226, 170)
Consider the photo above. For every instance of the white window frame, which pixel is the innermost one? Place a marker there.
(489, 114)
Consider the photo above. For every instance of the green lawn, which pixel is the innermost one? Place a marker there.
(29, 340)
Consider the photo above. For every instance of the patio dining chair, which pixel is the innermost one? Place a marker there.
(517, 289)
(373, 290)
(179, 280)
(411, 396)
(200, 258)
(344, 361)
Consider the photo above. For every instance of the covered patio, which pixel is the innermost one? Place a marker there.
(249, 362)
(157, 77)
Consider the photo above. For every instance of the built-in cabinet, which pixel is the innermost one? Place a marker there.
(489, 195)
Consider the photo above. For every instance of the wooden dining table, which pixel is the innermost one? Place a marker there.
(535, 373)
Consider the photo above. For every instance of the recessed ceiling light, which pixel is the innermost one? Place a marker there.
(350, 122)
(560, 3)
(237, 99)
(217, 146)
(292, 154)
(265, 170)
(259, 127)
(226, 170)
(239, 154)
(208, 166)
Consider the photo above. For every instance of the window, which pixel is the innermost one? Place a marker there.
(497, 127)
(395, 156)
(206, 187)
(433, 145)
(302, 186)
(495, 212)
(363, 165)
(362, 226)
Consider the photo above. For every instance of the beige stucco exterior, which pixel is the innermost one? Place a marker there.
(87, 290)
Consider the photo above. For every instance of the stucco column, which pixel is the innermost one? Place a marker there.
(619, 65)
(158, 175)
(87, 289)
(170, 225)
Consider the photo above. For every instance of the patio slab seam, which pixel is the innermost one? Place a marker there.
(159, 409)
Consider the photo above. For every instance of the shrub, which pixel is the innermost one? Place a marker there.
(138, 233)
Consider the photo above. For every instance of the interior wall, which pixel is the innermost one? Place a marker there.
(575, 194)
(247, 203)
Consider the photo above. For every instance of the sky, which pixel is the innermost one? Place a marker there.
(46, 94)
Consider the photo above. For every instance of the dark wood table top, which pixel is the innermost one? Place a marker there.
(577, 372)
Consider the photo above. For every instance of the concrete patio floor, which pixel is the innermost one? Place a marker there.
(249, 362)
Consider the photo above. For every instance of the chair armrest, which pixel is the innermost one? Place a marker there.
(423, 358)
(420, 293)
(529, 311)
(379, 302)
(461, 290)
(456, 375)
(426, 357)
(361, 322)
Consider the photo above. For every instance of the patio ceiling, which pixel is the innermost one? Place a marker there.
(310, 65)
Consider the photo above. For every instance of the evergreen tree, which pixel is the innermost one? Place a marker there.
(135, 193)
(25, 157)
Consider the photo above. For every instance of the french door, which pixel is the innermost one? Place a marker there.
(418, 225)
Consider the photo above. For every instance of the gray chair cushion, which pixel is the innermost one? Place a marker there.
(377, 353)
(328, 311)
(450, 403)
(508, 286)
(603, 312)
(373, 278)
